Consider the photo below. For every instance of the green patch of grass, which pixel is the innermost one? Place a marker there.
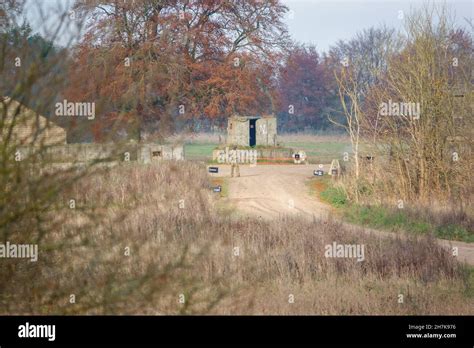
(335, 196)
(385, 218)
(454, 232)
(390, 219)
(321, 151)
(469, 281)
(199, 151)
(393, 220)
(322, 148)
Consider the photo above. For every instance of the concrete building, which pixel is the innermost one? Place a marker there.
(148, 153)
(252, 130)
(29, 128)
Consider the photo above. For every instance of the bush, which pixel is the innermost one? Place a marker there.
(454, 232)
(335, 196)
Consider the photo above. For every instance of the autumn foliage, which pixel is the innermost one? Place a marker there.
(151, 63)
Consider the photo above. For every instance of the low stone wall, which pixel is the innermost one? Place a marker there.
(262, 153)
(83, 153)
(148, 153)
(275, 153)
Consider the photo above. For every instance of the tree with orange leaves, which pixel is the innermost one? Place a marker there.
(151, 62)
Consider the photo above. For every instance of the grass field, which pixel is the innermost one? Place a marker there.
(199, 152)
(322, 152)
(319, 149)
(159, 238)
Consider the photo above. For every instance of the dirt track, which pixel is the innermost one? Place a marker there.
(272, 190)
(269, 191)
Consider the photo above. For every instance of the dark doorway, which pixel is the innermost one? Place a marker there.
(252, 138)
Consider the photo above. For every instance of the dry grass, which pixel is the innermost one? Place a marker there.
(191, 251)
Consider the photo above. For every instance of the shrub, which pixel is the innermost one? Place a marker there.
(335, 196)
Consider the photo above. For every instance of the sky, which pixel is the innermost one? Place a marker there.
(317, 22)
(323, 22)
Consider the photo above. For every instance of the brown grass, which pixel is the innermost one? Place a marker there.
(191, 250)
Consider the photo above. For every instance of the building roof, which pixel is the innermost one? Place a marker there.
(29, 127)
(246, 118)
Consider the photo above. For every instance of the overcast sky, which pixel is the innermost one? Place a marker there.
(317, 22)
(323, 22)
